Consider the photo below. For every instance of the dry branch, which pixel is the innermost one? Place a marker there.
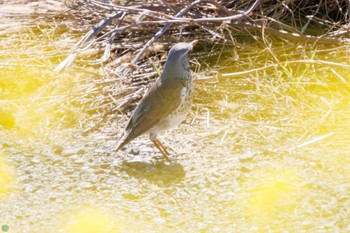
(198, 14)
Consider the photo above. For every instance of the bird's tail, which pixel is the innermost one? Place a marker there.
(120, 145)
(123, 140)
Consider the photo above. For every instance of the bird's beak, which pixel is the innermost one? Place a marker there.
(193, 43)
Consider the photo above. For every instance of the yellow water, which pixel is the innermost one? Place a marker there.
(262, 152)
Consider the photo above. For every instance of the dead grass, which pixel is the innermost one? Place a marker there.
(274, 74)
(122, 30)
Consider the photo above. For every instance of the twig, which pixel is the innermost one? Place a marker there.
(87, 38)
(307, 61)
(247, 71)
(316, 139)
(107, 51)
(184, 20)
(161, 32)
(310, 19)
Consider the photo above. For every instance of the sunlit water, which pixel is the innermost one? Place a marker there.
(262, 152)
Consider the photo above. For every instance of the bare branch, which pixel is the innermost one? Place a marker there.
(186, 20)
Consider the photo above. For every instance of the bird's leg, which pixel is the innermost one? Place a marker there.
(161, 148)
(168, 146)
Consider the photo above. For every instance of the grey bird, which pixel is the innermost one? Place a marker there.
(166, 103)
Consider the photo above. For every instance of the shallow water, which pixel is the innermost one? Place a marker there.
(262, 152)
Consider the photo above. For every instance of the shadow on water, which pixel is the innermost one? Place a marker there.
(157, 172)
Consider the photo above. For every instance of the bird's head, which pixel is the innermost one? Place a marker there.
(178, 61)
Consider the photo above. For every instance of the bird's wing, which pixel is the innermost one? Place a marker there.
(157, 104)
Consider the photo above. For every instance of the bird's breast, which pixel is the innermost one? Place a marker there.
(183, 93)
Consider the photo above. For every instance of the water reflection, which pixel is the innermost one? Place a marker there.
(157, 172)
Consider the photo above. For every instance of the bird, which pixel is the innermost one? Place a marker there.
(166, 103)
